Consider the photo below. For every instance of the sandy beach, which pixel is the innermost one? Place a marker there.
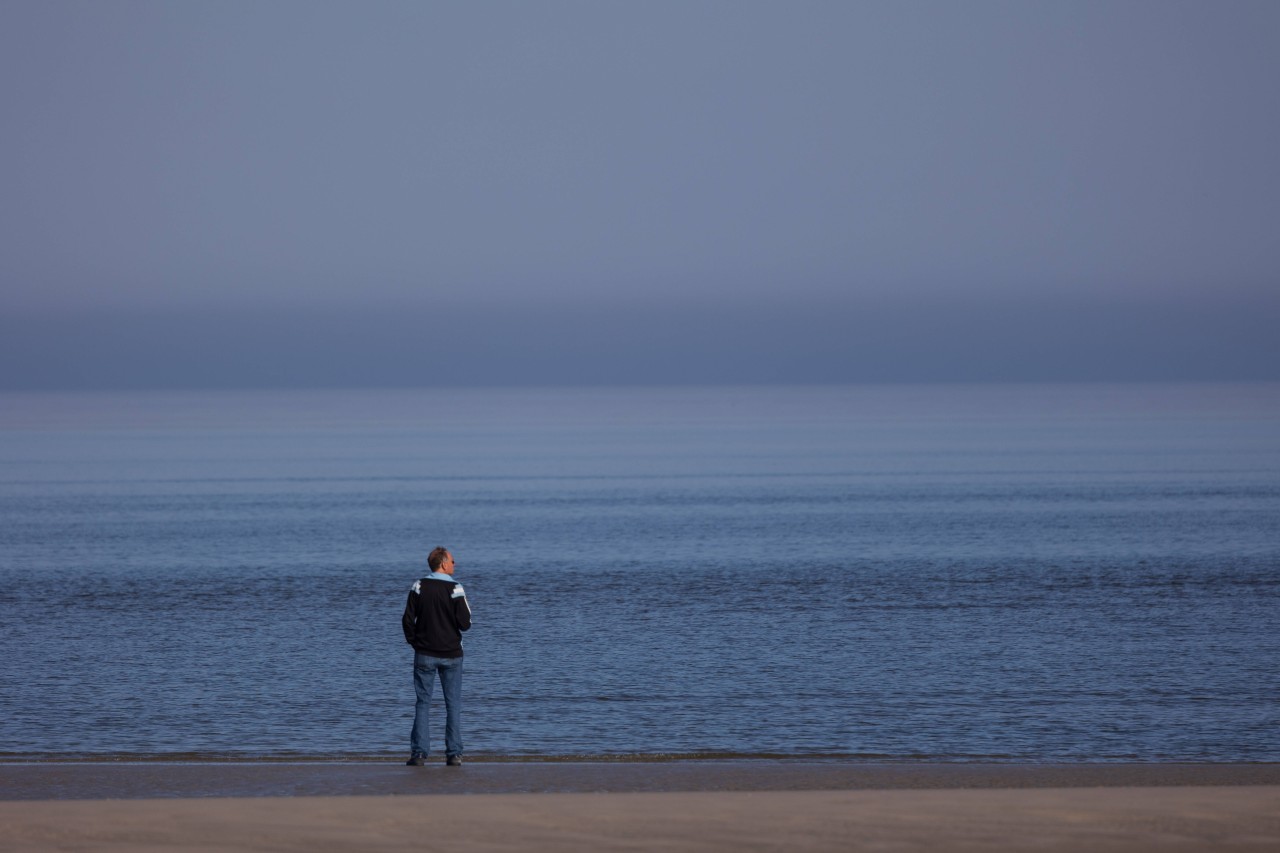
(630, 806)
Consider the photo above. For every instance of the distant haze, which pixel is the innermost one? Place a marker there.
(317, 194)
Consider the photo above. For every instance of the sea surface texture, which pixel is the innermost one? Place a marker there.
(1030, 573)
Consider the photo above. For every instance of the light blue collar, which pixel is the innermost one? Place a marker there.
(440, 576)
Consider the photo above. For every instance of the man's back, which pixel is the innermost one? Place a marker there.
(435, 616)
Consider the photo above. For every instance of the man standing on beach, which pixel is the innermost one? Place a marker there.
(434, 618)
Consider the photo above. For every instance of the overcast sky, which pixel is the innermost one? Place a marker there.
(227, 194)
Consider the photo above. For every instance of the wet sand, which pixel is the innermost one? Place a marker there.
(64, 780)
(627, 806)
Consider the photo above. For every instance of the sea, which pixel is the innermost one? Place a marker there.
(953, 573)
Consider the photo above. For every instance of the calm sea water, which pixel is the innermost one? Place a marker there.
(1044, 573)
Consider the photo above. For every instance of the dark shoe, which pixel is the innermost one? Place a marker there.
(417, 761)
(453, 761)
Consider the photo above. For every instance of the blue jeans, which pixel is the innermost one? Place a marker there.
(424, 677)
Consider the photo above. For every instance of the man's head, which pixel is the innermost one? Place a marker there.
(440, 560)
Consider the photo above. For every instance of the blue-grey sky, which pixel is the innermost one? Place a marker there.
(226, 194)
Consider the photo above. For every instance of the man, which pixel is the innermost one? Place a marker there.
(434, 618)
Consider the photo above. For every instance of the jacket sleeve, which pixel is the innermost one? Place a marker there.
(461, 610)
(410, 618)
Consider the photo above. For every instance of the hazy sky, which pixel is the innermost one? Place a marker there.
(410, 193)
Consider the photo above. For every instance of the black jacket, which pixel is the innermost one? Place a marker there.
(435, 616)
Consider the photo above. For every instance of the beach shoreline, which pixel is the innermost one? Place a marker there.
(93, 780)
(1123, 820)
(690, 805)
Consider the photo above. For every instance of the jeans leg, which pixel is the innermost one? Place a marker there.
(424, 676)
(451, 685)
